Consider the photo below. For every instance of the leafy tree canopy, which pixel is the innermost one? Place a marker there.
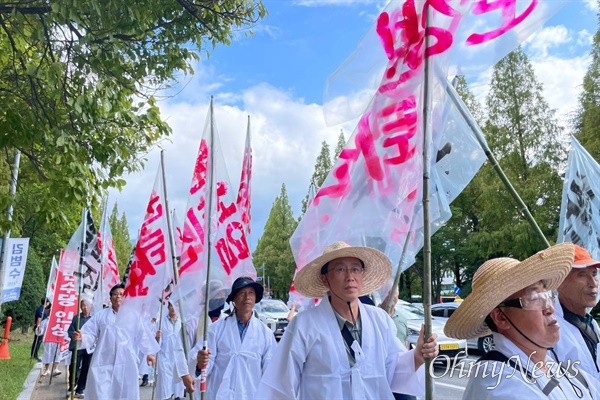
(78, 80)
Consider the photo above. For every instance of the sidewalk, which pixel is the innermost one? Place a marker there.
(39, 388)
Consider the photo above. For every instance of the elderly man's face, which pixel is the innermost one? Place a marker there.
(116, 299)
(539, 324)
(579, 289)
(85, 308)
(344, 278)
(245, 299)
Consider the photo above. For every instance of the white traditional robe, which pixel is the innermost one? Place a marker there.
(311, 360)
(235, 367)
(571, 345)
(113, 372)
(172, 364)
(51, 353)
(516, 386)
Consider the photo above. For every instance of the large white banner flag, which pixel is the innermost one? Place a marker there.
(230, 253)
(580, 207)
(373, 194)
(50, 286)
(15, 261)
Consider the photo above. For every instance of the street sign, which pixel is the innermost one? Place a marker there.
(456, 290)
(258, 278)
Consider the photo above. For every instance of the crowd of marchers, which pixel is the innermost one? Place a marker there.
(537, 311)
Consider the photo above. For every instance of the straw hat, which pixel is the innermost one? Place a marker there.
(499, 278)
(378, 269)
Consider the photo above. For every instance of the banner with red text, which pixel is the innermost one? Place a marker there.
(373, 195)
(244, 192)
(108, 260)
(151, 272)
(65, 302)
(51, 284)
(230, 254)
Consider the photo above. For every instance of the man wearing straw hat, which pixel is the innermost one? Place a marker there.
(343, 349)
(514, 300)
(579, 332)
(240, 347)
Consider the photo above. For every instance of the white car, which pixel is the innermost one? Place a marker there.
(443, 311)
(452, 348)
(273, 313)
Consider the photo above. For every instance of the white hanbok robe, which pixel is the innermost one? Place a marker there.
(172, 364)
(311, 360)
(113, 372)
(511, 384)
(235, 367)
(571, 345)
(51, 353)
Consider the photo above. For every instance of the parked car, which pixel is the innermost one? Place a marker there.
(273, 313)
(415, 317)
(445, 310)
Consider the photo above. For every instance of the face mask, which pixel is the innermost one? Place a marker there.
(214, 304)
(216, 313)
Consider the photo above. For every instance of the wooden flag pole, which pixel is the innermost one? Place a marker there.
(464, 112)
(427, 102)
(207, 240)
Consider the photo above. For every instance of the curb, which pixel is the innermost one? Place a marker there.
(30, 382)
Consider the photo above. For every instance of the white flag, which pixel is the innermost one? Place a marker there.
(580, 207)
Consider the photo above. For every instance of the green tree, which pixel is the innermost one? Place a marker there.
(273, 249)
(322, 167)
(523, 134)
(339, 147)
(78, 80)
(587, 116)
(120, 233)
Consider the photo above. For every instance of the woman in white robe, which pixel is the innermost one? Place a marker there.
(51, 354)
(171, 362)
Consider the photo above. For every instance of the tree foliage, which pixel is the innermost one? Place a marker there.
(120, 233)
(273, 249)
(322, 167)
(587, 116)
(79, 79)
(339, 146)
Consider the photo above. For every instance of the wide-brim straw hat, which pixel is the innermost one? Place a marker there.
(378, 269)
(499, 278)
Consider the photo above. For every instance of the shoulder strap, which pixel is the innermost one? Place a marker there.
(495, 355)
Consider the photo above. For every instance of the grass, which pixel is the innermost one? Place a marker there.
(14, 371)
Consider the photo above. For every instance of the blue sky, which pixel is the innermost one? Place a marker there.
(278, 78)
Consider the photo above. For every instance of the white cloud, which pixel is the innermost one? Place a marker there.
(591, 4)
(546, 38)
(286, 138)
(585, 38)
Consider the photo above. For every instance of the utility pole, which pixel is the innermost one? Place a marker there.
(13, 189)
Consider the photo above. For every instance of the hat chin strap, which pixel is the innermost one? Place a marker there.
(522, 334)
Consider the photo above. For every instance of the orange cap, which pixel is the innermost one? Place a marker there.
(583, 259)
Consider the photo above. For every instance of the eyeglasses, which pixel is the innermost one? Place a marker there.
(536, 301)
(356, 270)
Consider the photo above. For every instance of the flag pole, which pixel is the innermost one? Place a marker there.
(79, 288)
(103, 250)
(207, 240)
(388, 305)
(175, 262)
(522, 207)
(13, 190)
(427, 102)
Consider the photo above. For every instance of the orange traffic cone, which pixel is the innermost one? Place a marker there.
(4, 354)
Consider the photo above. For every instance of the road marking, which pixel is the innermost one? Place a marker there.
(451, 386)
